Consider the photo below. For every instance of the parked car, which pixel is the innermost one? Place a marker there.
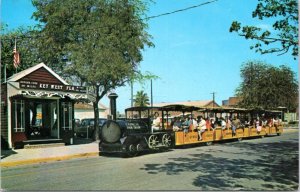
(77, 122)
(86, 128)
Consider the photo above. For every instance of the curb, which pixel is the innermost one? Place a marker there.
(49, 159)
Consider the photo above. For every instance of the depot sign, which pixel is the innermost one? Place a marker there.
(52, 87)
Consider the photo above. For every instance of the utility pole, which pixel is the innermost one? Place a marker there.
(131, 86)
(151, 95)
(213, 93)
(151, 98)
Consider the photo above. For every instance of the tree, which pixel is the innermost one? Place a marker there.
(26, 46)
(98, 41)
(285, 34)
(141, 99)
(268, 87)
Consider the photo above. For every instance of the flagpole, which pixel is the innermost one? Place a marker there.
(16, 51)
(4, 68)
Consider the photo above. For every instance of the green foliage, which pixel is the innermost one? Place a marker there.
(268, 87)
(142, 78)
(141, 99)
(284, 35)
(27, 47)
(99, 42)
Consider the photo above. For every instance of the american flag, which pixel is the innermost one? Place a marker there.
(16, 57)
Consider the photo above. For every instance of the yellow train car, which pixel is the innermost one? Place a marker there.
(217, 134)
(192, 137)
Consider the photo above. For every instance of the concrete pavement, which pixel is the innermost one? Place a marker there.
(15, 157)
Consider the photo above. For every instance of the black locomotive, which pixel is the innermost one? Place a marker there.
(132, 136)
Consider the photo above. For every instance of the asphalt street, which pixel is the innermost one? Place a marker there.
(270, 163)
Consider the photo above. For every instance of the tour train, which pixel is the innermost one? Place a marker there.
(135, 133)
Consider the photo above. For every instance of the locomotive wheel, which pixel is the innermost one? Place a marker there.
(166, 140)
(131, 148)
(139, 147)
(152, 141)
(132, 151)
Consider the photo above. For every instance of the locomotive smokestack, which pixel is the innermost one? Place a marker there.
(113, 105)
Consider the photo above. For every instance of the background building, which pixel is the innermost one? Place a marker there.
(85, 110)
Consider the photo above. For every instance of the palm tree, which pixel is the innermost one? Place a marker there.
(141, 99)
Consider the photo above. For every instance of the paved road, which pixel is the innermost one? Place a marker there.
(270, 163)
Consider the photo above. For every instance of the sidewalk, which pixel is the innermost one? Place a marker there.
(81, 148)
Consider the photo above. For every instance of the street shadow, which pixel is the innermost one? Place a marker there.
(81, 141)
(276, 164)
(6, 153)
(125, 155)
(112, 155)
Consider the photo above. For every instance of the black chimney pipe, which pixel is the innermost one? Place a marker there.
(113, 105)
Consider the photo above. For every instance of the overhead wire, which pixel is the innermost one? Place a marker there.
(23, 36)
(180, 10)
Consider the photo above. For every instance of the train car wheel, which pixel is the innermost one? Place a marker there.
(152, 141)
(278, 134)
(209, 143)
(166, 140)
(240, 139)
(131, 148)
(262, 136)
(132, 151)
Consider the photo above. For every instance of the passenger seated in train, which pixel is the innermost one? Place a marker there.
(223, 123)
(228, 123)
(201, 127)
(236, 123)
(247, 123)
(208, 124)
(270, 122)
(258, 124)
(186, 124)
(156, 122)
(194, 124)
(212, 124)
(177, 124)
(276, 122)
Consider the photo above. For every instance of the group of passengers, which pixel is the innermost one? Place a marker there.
(259, 123)
(201, 124)
(191, 124)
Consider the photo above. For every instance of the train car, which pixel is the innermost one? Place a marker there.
(133, 134)
(213, 132)
(248, 127)
(186, 135)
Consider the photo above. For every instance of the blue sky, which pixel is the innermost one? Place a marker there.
(194, 53)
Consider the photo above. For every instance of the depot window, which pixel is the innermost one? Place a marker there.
(18, 116)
